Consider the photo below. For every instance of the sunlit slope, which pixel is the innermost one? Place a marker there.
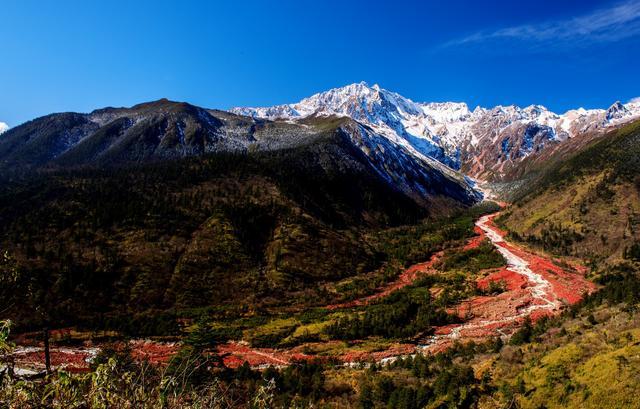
(586, 204)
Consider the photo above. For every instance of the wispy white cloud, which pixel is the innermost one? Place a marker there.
(601, 26)
(635, 100)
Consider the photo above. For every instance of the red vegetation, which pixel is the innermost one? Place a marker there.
(69, 359)
(234, 354)
(154, 352)
(408, 277)
(363, 356)
(513, 281)
(475, 241)
(502, 314)
(536, 287)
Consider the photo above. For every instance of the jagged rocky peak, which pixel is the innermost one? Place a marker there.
(359, 101)
(352, 100)
(617, 111)
(538, 111)
(401, 120)
(447, 131)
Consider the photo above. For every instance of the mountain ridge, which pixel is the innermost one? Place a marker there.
(168, 130)
(451, 132)
(397, 135)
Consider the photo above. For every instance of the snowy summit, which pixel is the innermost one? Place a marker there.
(442, 130)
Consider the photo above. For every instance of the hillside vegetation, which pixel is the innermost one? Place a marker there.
(587, 204)
(585, 358)
(130, 247)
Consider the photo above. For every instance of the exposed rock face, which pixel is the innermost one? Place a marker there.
(483, 143)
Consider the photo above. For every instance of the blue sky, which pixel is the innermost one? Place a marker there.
(80, 55)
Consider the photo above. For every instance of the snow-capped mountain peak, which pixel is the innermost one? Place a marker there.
(359, 101)
(446, 131)
(447, 111)
(3, 127)
(388, 113)
(617, 111)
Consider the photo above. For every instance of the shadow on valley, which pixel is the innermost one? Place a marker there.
(135, 248)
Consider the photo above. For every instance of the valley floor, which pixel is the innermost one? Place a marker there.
(535, 286)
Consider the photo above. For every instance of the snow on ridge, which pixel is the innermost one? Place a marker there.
(3, 127)
(440, 129)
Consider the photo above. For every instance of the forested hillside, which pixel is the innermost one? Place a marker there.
(231, 231)
(586, 204)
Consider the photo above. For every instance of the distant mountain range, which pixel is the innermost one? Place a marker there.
(484, 143)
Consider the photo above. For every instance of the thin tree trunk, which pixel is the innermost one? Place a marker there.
(47, 355)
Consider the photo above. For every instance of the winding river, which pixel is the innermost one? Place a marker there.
(540, 288)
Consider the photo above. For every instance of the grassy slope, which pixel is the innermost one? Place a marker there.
(590, 361)
(588, 204)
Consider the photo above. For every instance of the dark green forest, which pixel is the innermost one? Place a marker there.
(132, 247)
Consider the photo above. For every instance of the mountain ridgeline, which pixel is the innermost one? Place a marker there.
(163, 130)
(489, 144)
